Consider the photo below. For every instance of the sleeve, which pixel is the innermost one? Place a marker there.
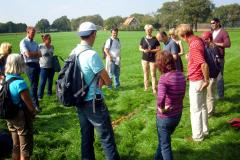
(197, 52)
(226, 40)
(96, 63)
(174, 49)
(21, 86)
(107, 44)
(161, 92)
(43, 51)
(23, 47)
(157, 43)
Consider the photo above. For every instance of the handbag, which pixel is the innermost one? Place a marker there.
(55, 64)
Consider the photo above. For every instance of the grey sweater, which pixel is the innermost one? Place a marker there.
(47, 54)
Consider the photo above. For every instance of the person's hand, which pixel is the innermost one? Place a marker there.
(146, 50)
(186, 56)
(165, 109)
(204, 85)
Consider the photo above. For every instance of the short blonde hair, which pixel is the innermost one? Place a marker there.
(14, 64)
(148, 26)
(172, 31)
(184, 29)
(5, 49)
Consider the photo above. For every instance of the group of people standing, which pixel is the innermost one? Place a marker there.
(172, 84)
(93, 113)
(35, 60)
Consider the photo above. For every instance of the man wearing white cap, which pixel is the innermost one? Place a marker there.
(94, 113)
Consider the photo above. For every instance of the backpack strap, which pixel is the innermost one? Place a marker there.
(147, 42)
(77, 93)
(9, 80)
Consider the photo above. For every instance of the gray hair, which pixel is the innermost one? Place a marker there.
(14, 64)
(148, 26)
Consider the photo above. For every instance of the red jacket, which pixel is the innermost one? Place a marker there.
(222, 37)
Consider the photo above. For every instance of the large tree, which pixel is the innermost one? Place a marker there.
(145, 19)
(113, 22)
(62, 24)
(43, 25)
(195, 11)
(96, 19)
(229, 15)
(168, 14)
(11, 27)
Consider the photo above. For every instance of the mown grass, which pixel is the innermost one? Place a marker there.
(57, 132)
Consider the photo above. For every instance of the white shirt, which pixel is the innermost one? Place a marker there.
(215, 33)
(115, 48)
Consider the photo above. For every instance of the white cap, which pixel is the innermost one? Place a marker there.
(86, 28)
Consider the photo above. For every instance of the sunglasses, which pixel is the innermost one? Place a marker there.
(213, 22)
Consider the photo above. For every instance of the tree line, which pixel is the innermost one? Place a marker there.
(168, 15)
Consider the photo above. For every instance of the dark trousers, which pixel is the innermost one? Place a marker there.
(165, 128)
(46, 75)
(100, 120)
(220, 80)
(33, 71)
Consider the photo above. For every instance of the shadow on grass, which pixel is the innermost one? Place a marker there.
(220, 151)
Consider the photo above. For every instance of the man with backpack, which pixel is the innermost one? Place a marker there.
(212, 55)
(93, 112)
(198, 76)
(112, 49)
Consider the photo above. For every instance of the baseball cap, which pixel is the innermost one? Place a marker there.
(86, 28)
(206, 35)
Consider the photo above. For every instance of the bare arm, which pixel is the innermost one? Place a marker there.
(205, 71)
(104, 78)
(25, 96)
(143, 50)
(106, 50)
(33, 54)
(181, 49)
(156, 50)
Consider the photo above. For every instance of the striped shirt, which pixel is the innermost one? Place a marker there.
(195, 59)
(171, 91)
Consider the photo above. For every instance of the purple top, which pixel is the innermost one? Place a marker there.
(171, 91)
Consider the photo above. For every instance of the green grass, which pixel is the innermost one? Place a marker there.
(57, 132)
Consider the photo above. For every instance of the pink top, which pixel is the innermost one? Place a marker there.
(171, 91)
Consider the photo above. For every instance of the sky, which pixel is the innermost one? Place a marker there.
(31, 11)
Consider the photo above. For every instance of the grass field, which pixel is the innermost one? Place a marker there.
(57, 132)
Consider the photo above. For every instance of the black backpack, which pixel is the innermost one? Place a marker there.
(71, 86)
(103, 47)
(8, 109)
(211, 56)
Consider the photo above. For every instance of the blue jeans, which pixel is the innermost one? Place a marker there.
(46, 74)
(165, 128)
(115, 72)
(100, 120)
(33, 71)
(220, 80)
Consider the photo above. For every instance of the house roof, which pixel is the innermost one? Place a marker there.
(128, 21)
